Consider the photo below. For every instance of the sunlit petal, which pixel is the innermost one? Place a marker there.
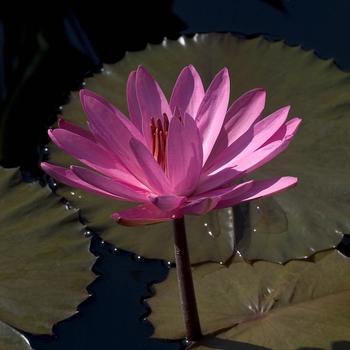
(212, 111)
(260, 189)
(188, 92)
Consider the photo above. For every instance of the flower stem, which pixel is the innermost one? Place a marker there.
(184, 277)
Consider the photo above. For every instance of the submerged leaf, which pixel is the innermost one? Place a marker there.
(311, 217)
(45, 263)
(300, 304)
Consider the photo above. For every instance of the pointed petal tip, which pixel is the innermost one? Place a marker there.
(43, 165)
(259, 91)
(142, 69)
(224, 72)
(83, 92)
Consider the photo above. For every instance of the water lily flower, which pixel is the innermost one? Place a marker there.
(183, 157)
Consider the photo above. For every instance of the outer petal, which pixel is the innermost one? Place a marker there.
(133, 103)
(109, 121)
(67, 177)
(188, 92)
(250, 141)
(152, 102)
(145, 214)
(167, 203)
(63, 124)
(112, 129)
(109, 185)
(226, 192)
(200, 206)
(260, 189)
(246, 163)
(92, 155)
(241, 116)
(212, 111)
(126, 159)
(184, 155)
(274, 146)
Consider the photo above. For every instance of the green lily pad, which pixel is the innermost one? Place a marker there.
(311, 217)
(45, 263)
(11, 339)
(210, 236)
(300, 304)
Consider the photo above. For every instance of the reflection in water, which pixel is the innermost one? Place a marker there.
(267, 216)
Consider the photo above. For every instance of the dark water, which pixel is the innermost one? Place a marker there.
(114, 316)
(54, 48)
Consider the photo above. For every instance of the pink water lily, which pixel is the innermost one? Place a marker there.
(177, 158)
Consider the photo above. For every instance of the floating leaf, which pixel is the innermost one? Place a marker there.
(45, 263)
(308, 218)
(11, 339)
(300, 304)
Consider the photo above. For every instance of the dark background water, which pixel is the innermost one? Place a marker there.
(46, 50)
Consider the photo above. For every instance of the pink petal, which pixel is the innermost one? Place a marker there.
(214, 181)
(226, 192)
(286, 132)
(133, 103)
(188, 92)
(91, 154)
(67, 177)
(64, 124)
(200, 206)
(112, 129)
(167, 203)
(151, 101)
(274, 146)
(153, 175)
(212, 111)
(86, 151)
(126, 159)
(267, 127)
(112, 124)
(184, 155)
(245, 164)
(250, 141)
(240, 117)
(111, 186)
(260, 189)
(145, 214)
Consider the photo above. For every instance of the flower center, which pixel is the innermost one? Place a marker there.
(159, 133)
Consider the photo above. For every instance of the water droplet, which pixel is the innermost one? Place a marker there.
(210, 230)
(88, 233)
(166, 264)
(181, 40)
(267, 216)
(186, 342)
(68, 206)
(136, 257)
